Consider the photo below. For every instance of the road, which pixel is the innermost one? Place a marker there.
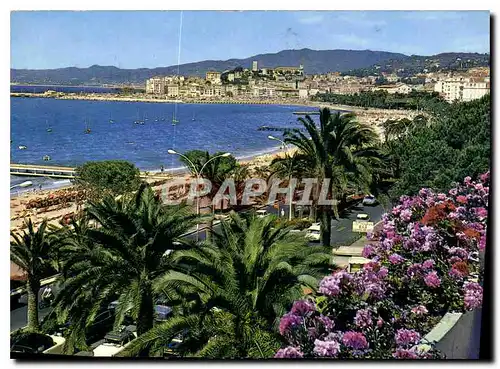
(342, 227)
(341, 234)
(19, 311)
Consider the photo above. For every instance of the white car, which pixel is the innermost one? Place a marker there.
(262, 213)
(362, 217)
(313, 232)
(369, 200)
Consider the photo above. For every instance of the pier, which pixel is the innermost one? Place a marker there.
(306, 113)
(42, 171)
(52, 171)
(279, 129)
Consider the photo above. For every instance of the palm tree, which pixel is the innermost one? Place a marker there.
(33, 251)
(238, 285)
(338, 150)
(121, 258)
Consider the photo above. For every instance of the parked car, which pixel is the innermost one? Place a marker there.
(102, 324)
(369, 200)
(313, 232)
(261, 213)
(362, 217)
(31, 343)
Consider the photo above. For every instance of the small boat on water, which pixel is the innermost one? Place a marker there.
(87, 128)
(46, 158)
(22, 147)
(193, 119)
(111, 121)
(174, 121)
(49, 129)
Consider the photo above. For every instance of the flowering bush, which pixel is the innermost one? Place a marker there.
(424, 263)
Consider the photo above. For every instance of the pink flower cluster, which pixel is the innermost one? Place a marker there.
(473, 295)
(289, 353)
(421, 261)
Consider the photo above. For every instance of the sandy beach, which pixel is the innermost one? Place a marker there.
(20, 213)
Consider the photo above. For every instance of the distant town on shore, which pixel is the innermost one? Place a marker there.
(305, 74)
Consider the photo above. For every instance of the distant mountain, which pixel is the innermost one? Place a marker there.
(415, 64)
(314, 61)
(361, 62)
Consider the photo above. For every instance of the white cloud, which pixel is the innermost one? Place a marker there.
(311, 19)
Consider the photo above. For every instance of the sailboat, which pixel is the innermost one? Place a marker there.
(193, 119)
(49, 129)
(87, 128)
(174, 121)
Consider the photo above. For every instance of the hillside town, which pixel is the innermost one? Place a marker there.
(262, 83)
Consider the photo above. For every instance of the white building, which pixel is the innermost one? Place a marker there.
(155, 85)
(255, 66)
(213, 77)
(462, 88)
(172, 90)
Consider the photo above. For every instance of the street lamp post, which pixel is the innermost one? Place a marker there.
(198, 176)
(289, 175)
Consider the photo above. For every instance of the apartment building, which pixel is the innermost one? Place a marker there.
(462, 88)
(155, 85)
(263, 91)
(172, 90)
(399, 88)
(347, 88)
(213, 91)
(213, 77)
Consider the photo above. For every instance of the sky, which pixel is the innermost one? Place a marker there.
(148, 39)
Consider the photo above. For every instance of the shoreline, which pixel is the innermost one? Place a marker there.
(19, 212)
(113, 97)
(247, 101)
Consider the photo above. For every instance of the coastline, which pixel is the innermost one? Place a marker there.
(244, 101)
(129, 98)
(19, 212)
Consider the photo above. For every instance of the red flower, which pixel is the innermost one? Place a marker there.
(472, 233)
(461, 267)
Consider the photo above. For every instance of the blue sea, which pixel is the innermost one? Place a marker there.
(115, 135)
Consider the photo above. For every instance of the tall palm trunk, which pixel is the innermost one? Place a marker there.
(314, 206)
(33, 287)
(241, 349)
(326, 226)
(326, 213)
(145, 317)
